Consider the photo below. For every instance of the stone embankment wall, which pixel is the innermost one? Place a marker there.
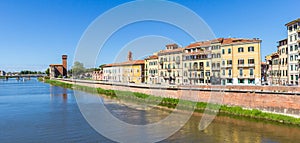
(276, 99)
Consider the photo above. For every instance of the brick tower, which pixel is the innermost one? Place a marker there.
(65, 65)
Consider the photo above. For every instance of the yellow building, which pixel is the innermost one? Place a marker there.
(151, 69)
(131, 71)
(241, 63)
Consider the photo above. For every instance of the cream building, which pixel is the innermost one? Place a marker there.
(282, 50)
(196, 63)
(151, 69)
(131, 71)
(293, 30)
(170, 65)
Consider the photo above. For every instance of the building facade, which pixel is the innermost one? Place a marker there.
(131, 71)
(282, 50)
(151, 69)
(170, 65)
(241, 57)
(2, 73)
(196, 63)
(293, 30)
(59, 70)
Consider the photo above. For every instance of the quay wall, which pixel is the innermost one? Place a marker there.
(275, 99)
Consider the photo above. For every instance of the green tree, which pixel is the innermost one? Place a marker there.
(78, 68)
(47, 71)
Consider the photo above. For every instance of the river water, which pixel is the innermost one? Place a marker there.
(31, 111)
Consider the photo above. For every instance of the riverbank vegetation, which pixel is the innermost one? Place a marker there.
(172, 103)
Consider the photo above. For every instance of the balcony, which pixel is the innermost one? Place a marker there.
(251, 65)
(169, 70)
(196, 77)
(196, 69)
(215, 68)
(246, 76)
(241, 65)
(226, 76)
(226, 66)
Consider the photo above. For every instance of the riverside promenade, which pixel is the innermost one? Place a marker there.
(283, 100)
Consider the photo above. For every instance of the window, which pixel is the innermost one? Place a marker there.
(290, 28)
(251, 72)
(207, 64)
(241, 72)
(251, 81)
(229, 62)
(241, 80)
(207, 73)
(291, 67)
(291, 38)
(291, 48)
(292, 77)
(295, 36)
(296, 57)
(296, 76)
(251, 49)
(229, 51)
(295, 26)
(223, 72)
(229, 80)
(291, 58)
(250, 61)
(229, 72)
(240, 49)
(282, 50)
(296, 47)
(296, 67)
(241, 61)
(223, 51)
(223, 63)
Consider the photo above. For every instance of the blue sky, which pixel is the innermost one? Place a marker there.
(35, 33)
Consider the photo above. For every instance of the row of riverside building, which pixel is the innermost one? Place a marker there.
(282, 66)
(226, 61)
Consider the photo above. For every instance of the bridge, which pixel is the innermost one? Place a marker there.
(27, 76)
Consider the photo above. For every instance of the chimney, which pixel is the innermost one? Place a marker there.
(65, 65)
(129, 58)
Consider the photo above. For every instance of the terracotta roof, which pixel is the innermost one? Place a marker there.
(55, 65)
(198, 44)
(238, 40)
(292, 22)
(171, 50)
(152, 57)
(204, 43)
(135, 62)
(172, 44)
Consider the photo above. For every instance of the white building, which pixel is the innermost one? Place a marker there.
(293, 30)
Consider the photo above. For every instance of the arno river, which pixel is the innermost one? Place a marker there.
(31, 111)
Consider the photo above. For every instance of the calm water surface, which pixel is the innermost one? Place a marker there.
(31, 111)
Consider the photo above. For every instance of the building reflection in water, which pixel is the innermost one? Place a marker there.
(58, 93)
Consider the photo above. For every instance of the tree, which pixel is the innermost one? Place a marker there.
(47, 71)
(78, 68)
(101, 66)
